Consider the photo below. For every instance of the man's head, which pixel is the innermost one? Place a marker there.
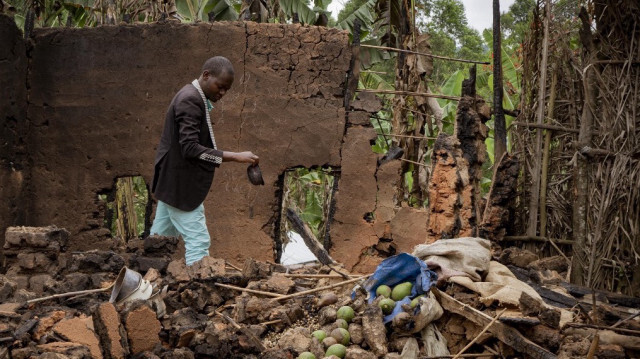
(216, 78)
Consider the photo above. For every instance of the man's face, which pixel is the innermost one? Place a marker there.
(216, 87)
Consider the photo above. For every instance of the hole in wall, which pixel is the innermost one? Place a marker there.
(127, 207)
(309, 192)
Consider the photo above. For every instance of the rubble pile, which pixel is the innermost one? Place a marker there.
(264, 310)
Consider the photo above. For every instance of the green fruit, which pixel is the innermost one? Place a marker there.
(341, 323)
(416, 300)
(401, 290)
(387, 305)
(338, 350)
(341, 335)
(346, 313)
(319, 334)
(306, 355)
(384, 291)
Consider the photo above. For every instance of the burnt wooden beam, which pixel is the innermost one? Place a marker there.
(546, 127)
(309, 239)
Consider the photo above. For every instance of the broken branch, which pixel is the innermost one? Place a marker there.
(424, 54)
(310, 291)
(410, 93)
(479, 334)
(247, 290)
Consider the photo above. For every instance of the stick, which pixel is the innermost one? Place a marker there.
(594, 346)
(623, 320)
(545, 127)
(410, 93)
(409, 136)
(309, 239)
(232, 266)
(479, 334)
(545, 159)
(424, 54)
(483, 355)
(70, 294)
(246, 331)
(248, 290)
(414, 162)
(271, 322)
(538, 239)
(316, 276)
(593, 326)
(305, 292)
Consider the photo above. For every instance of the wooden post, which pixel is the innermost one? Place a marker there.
(500, 126)
(545, 155)
(537, 161)
(309, 239)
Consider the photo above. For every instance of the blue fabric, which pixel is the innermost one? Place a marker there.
(399, 269)
(191, 225)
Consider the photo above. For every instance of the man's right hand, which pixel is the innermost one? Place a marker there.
(243, 157)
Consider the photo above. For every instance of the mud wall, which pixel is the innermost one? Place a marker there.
(95, 111)
(13, 114)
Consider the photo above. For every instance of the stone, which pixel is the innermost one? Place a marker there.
(142, 328)
(298, 338)
(143, 264)
(110, 331)
(35, 237)
(207, 267)
(80, 330)
(34, 263)
(355, 352)
(160, 245)
(75, 282)
(41, 283)
(179, 353)
(178, 270)
(7, 288)
(96, 261)
(152, 275)
(46, 323)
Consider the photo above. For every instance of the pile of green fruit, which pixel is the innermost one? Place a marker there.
(391, 296)
(336, 342)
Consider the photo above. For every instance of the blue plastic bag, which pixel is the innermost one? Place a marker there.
(399, 269)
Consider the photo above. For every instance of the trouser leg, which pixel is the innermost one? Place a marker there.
(162, 224)
(193, 228)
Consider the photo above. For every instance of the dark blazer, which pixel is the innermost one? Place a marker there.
(181, 178)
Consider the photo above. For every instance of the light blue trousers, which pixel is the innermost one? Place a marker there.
(192, 226)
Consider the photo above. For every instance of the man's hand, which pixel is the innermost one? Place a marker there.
(243, 157)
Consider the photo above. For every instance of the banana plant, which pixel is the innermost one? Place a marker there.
(207, 10)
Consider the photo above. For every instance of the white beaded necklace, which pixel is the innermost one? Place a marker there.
(206, 111)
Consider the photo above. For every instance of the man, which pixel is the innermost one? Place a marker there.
(187, 157)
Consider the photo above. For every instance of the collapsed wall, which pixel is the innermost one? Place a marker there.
(95, 112)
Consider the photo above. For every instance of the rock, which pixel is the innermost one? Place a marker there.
(207, 267)
(75, 282)
(154, 245)
(356, 333)
(35, 263)
(278, 283)
(574, 347)
(41, 283)
(80, 330)
(327, 299)
(7, 288)
(144, 264)
(180, 353)
(355, 352)
(142, 328)
(550, 317)
(96, 261)
(544, 336)
(35, 237)
(110, 332)
(177, 269)
(373, 329)
(327, 315)
(298, 338)
(46, 323)
(152, 275)
(69, 350)
(518, 257)
(528, 305)
(255, 270)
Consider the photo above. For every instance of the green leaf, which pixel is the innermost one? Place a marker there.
(364, 13)
(305, 14)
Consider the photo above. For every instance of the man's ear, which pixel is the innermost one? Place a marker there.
(205, 74)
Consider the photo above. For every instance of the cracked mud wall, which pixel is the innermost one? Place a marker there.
(13, 113)
(97, 99)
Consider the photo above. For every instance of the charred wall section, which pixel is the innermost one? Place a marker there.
(13, 113)
(97, 99)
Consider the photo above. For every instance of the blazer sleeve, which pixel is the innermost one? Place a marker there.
(188, 116)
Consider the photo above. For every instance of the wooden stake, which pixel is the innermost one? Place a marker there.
(310, 291)
(232, 266)
(545, 160)
(594, 346)
(410, 93)
(424, 54)
(537, 164)
(479, 334)
(70, 294)
(269, 294)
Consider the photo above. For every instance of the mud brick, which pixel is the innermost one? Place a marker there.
(143, 329)
(68, 350)
(36, 263)
(80, 330)
(160, 245)
(41, 283)
(75, 281)
(35, 237)
(143, 263)
(96, 261)
(112, 335)
(7, 288)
